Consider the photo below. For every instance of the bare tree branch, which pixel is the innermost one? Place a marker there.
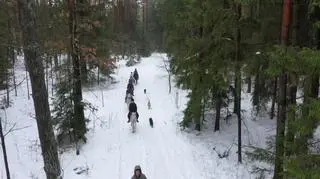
(12, 129)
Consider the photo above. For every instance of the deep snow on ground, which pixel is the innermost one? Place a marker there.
(112, 150)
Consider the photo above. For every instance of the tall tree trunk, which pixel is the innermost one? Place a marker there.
(39, 93)
(7, 80)
(47, 73)
(13, 71)
(281, 122)
(78, 123)
(256, 92)
(235, 100)
(51, 74)
(315, 76)
(299, 29)
(274, 97)
(238, 81)
(315, 85)
(249, 84)
(27, 80)
(4, 151)
(218, 104)
(11, 53)
(291, 113)
(84, 70)
(81, 6)
(282, 104)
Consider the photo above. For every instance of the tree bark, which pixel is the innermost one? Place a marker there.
(315, 85)
(274, 98)
(39, 93)
(238, 81)
(7, 81)
(281, 122)
(4, 151)
(235, 100)
(78, 123)
(282, 104)
(11, 52)
(84, 70)
(218, 109)
(27, 80)
(249, 84)
(291, 113)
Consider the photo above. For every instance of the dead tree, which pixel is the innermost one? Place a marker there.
(33, 61)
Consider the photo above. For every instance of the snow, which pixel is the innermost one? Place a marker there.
(113, 150)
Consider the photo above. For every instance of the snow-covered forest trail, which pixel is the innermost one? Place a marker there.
(112, 149)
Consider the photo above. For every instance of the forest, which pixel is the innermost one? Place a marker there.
(218, 52)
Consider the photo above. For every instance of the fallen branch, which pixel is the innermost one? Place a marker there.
(225, 154)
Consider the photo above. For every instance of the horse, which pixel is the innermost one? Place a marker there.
(128, 99)
(133, 120)
(136, 78)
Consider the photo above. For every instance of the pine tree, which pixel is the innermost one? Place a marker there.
(33, 60)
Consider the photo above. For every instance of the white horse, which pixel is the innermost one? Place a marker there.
(133, 120)
(128, 99)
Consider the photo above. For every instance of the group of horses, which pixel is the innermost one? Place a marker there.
(133, 80)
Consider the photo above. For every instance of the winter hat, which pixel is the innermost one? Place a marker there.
(137, 167)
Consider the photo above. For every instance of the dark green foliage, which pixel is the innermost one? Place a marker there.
(199, 37)
(5, 61)
(62, 112)
(261, 155)
(306, 166)
(155, 31)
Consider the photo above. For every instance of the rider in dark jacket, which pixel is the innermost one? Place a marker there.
(136, 75)
(133, 108)
(138, 173)
(130, 88)
(131, 79)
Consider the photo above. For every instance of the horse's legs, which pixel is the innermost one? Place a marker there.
(133, 125)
